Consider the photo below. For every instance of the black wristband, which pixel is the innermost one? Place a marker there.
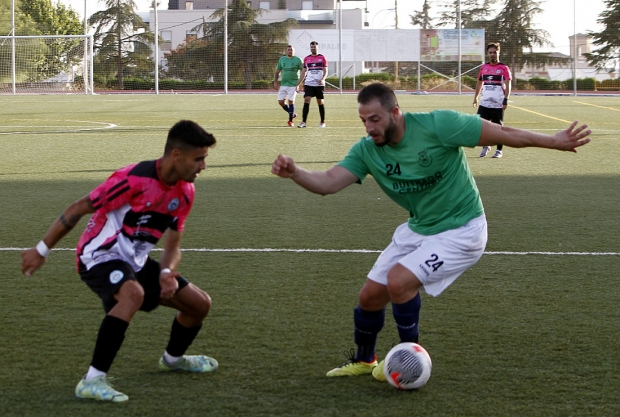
(505, 102)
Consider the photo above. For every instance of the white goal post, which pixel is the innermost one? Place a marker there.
(46, 64)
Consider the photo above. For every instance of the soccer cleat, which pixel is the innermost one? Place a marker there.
(377, 372)
(485, 151)
(187, 363)
(322, 124)
(99, 389)
(294, 115)
(498, 154)
(302, 124)
(290, 123)
(353, 367)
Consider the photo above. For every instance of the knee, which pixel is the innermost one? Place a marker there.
(202, 304)
(401, 283)
(131, 294)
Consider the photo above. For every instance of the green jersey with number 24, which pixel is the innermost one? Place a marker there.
(426, 172)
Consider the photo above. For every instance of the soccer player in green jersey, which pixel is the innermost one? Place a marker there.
(419, 162)
(289, 66)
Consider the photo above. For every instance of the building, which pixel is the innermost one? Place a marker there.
(564, 71)
(179, 22)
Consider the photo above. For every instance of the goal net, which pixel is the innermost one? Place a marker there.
(46, 64)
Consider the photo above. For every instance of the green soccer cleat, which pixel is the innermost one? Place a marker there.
(99, 389)
(377, 372)
(196, 363)
(353, 367)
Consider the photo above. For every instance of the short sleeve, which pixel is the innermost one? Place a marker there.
(456, 129)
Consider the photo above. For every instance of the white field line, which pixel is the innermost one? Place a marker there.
(349, 251)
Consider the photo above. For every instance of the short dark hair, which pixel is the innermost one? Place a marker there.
(186, 135)
(314, 43)
(378, 91)
(493, 45)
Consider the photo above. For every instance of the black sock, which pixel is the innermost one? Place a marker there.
(109, 341)
(180, 338)
(368, 324)
(285, 107)
(407, 317)
(322, 112)
(305, 112)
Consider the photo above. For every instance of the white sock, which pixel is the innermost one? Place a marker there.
(169, 359)
(93, 373)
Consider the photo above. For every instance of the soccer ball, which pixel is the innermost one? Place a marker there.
(407, 366)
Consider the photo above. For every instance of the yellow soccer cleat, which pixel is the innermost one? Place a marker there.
(377, 372)
(353, 367)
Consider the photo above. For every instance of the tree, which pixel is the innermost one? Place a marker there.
(608, 39)
(422, 18)
(471, 10)
(52, 19)
(38, 59)
(253, 48)
(122, 41)
(513, 29)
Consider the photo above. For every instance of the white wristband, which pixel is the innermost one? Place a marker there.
(164, 271)
(43, 249)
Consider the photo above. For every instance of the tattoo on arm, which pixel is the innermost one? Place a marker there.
(70, 222)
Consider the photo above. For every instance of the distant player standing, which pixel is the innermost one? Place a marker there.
(131, 211)
(494, 80)
(289, 66)
(313, 78)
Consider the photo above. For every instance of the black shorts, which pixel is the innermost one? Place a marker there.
(105, 279)
(311, 91)
(492, 115)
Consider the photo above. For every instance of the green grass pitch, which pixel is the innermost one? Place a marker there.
(531, 330)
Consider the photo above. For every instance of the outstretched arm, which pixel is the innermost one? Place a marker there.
(565, 140)
(34, 258)
(320, 182)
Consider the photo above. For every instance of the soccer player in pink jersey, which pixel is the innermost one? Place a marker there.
(494, 81)
(313, 79)
(131, 211)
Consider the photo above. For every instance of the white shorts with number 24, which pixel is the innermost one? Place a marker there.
(436, 260)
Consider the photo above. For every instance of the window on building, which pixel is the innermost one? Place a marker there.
(189, 5)
(307, 5)
(265, 5)
(166, 37)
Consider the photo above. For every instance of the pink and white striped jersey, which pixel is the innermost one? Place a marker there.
(134, 207)
(493, 78)
(314, 65)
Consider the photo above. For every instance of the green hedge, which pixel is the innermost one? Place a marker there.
(427, 82)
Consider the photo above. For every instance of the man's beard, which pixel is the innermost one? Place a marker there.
(388, 135)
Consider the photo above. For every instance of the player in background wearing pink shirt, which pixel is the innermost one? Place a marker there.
(313, 79)
(131, 211)
(494, 81)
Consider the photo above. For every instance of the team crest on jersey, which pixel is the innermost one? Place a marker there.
(424, 159)
(116, 276)
(173, 205)
(498, 71)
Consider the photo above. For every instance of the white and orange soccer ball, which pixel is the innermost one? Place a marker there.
(407, 366)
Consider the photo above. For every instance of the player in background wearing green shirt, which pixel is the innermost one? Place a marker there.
(289, 66)
(419, 162)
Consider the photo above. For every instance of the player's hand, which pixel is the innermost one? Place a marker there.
(475, 103)
(572, 138)
(169, 284)
(283, 166)
(275, 85)
(31, 261)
